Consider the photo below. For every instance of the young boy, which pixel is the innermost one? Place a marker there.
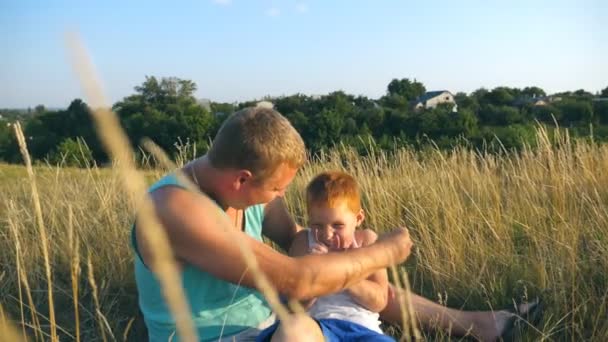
(334, 212)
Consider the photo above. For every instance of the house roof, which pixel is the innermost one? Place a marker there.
(431, 94)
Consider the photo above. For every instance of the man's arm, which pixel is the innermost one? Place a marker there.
(202, 236)
(299, 248)
(371, 293)
(278, 224)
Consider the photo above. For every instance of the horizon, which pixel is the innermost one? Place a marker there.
(239, 51)
(55, 108)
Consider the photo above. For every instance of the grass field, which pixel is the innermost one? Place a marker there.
(488, 229)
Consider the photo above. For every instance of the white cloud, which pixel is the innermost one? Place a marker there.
(223, 2)
(273, 12)
(302, 7)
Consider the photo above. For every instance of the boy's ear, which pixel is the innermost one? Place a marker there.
(360, 217)
(242, 177)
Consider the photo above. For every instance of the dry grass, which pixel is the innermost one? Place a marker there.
(488, 229)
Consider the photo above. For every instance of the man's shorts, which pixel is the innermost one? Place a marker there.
(335, 330)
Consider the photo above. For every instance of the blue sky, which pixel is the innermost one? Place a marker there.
(240, 50)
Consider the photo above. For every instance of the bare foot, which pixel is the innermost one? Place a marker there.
(505, 320)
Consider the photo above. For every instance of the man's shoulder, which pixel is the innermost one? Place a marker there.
(170, 179)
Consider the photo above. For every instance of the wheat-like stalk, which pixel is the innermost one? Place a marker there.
(74, 269)
(8, 331)
(41, 226)
(117, 144)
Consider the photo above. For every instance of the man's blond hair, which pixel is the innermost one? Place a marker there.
(257, 139)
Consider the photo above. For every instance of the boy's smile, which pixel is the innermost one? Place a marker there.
(334, 227)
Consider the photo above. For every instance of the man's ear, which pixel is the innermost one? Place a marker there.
(360, 217)
(242, 177)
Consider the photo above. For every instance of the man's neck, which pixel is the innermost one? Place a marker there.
(207, 178)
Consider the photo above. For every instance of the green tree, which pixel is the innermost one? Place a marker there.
(443, 122)
(600, 111)
(6, 137)
(44, 132)
(604, 92)
(399, 121)
(293, 103)
(582, 94)
(72, 152)
(500, 96)
(39, 109)
(409, 90)
(372, 116)
(326, 129)
(395, 102)
(510, 137)
(533, 92)
(575, 111)
(467, 102)
(219, 108)
(546, 114)
(166, 110)
(495, 115)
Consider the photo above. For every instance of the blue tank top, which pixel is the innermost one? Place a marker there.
(219, 308)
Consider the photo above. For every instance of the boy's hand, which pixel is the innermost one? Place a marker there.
(355, 244)
(318, 248)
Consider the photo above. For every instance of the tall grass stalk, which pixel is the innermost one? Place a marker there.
(7, 329)
(41, 227)
(74, 269)
(117, 144)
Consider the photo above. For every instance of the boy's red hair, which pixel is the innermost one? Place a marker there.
(331, 188)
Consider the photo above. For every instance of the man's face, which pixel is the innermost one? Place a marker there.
(271, 188)
(334, 227)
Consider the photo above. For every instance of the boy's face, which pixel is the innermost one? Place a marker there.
(334, 227)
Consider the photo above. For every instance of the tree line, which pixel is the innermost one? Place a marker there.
(166, 110)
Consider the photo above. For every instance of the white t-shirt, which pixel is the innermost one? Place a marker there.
(342, 306)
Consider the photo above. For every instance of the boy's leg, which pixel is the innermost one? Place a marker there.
(484, 325)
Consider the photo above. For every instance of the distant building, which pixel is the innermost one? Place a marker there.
(537, 100)
(205, 103)
(432, 99)
(600, 99)
(265, 104)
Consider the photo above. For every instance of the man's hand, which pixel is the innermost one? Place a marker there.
(399, 240)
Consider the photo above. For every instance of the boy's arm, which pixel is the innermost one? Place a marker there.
(371, 293)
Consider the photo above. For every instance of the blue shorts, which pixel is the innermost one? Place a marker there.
(335, 330)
